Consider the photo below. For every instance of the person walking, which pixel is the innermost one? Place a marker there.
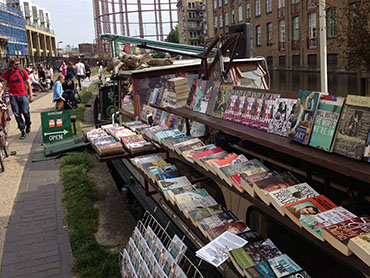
(80, 69)
(70, 71)
(87, 70)
(49, 74)
(41, 73)
(17, 78)
(63, 68)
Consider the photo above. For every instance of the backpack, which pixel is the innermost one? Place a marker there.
(22, 74)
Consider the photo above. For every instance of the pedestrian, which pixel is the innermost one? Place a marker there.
(63, 68)
(34, 78)
(101, 72)
(17, 78)
(29, 68)
(65, 95)
(49, 74)
(80, 69)
(87, 70)
(70, 71)
(41, 73)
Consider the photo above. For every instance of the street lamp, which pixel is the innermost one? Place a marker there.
(58, 46)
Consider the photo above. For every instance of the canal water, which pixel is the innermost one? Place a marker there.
(339, 84)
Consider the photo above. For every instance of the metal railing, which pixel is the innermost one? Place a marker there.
(40, 27)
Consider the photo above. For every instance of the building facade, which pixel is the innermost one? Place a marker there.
(87, 49)
(40, 35)
(193, 19)
(285, 32)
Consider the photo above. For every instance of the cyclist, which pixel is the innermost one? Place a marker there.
(17, 79)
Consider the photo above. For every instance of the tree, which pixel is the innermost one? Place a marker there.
(173, 36)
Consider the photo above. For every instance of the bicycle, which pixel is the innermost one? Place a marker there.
(4, 129)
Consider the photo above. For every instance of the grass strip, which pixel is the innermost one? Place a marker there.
(79, 196)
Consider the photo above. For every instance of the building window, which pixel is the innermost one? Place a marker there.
(248, 13)
(189, 5)
(332, 22)
(258, 35)
(216, 21)
(220, 3)
(226, 19)
(312, 61)
(240, 13)
(295, 6)
(268, 6)
(269, 33)
(270, 61)
(312, 26)
(282, 31)
(233, 17)
(214, 4)
(282, 61)
(295, 1)
(225, 2)
(282, 5)
(221, 21)
(332, 60)
(296, 61)
(258, 7)
(296, 30)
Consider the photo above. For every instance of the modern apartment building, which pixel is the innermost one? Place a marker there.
(192, 19)
(40, 35)
(286, 32)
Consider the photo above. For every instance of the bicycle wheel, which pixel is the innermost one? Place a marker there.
(6, 125)
(2, 161)
(4, 144)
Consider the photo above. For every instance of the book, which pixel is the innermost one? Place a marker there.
(240, 107)
(222, 100)
(169, 184)
(177, 248)
(247, 181)
(206, 201)
(297, 211)
(185, 197)
(177, 272)
(360, 246)
(171, 193)
(338, 235)
(303, 116)
(206, 97)
(197, 156)
(177, 81)
(235, 227)
(267, 111)
(283, 266)
(257, 110)
(325, 123)
(273, 183)
(201, 91)
(232, 160)
(188, 155)
(213, 96)
(231, 104)
(314, 223)
(353, 128)
(198, 213)
(260, 270)
(167, 262)
(367, 149)
(197, 129)
(280, 122)
(291, 194)
(213, 221)
(192, 92)
(299, 274)
(207, 162)
(247, 114)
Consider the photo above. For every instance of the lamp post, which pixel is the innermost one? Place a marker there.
(59, 42)
(323, 49)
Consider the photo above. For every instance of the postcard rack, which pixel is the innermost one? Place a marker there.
(189, 268)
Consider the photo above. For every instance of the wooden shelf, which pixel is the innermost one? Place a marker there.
(351, 261)
(350, 168)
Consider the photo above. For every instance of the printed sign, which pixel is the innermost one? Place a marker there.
(56, 126)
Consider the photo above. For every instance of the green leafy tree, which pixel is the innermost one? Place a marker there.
(173, 36)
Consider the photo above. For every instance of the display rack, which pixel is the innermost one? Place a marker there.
(186, 264)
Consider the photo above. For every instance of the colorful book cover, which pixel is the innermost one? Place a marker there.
(367, 149)
(205, 153)
(221, 103)
(169, 184)
(303, 116)
(216, 220)
(197, 129)
(202, 202)
(201, 91)
(299, 274)
(247, 181)
(231, 104)
(171, 193)
(213, 97)
(204, 102)
(250, 102)
(297, 211)
(189, 154)
(250, 167)
(326, 121)
(240, 107)
(235, 227)
(198, 213)
(261, 270)
(193, 91)
(177, 248)
(257, 110)
(267, 111)
(353, 128)
(360, 246)
(276, 182)
(283, 265)
(281, 118)
(190, 196)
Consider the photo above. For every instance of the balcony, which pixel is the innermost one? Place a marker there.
(296, 44)
(192, 28)
(39, 27)
(312, 43)
(281, 12)
(197, 18)
(295, 8)
(281, 46)
(195, 8)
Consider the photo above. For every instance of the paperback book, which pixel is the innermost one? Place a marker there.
(213, 97)
(222, 100)
(283, 266)
(177, 248)
(202, 202)
(210, 222)
(231, 104)
(247, 182)
(240, 107)
(198, 213)
(249, 105)
(257, 110)
(171, 193)
(267, 111)
(360, 246)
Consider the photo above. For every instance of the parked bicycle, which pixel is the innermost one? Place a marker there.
(4, 129)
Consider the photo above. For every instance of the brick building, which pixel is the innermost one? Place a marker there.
(88, 49)
(286, 32)
(192, 21)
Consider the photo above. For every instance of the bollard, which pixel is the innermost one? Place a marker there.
(73, 120)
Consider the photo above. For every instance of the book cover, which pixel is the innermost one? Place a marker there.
(299, 274)
(171, 193)
(303, 116)
(260, 270)
(202, 202)
(201, 91)
(325, 123)
(150, 238)
(205, 161)
(189, 153)
(231, 104)
(360, 246)
(353, 128)
(213, 97)
(197, 129)
(257, 110)
(250, 102)
(339, 234)
(192, 92)
(168, 263)
(297, 211)
(177, 273)
(291, 194)
(314, 223)
(240, 107)
(283, 265)
(233, 159)
(235, 227)
(216, 220)
(177, 248)
(169, 184)
(198, 213)
(204, 102)
(222, 99)
(276, 182)
(367, 148)
(247, 181)
(185, 197)
(267, 111)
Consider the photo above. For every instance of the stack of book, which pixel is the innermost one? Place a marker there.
(146, 256)
(103, 143)
(178, 91)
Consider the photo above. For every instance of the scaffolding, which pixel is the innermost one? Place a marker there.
(152, 19)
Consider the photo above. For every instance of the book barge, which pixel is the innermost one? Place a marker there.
(254, 182)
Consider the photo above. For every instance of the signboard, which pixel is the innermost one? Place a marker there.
(56, 126)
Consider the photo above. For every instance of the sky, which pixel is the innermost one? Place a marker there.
(72, 20)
